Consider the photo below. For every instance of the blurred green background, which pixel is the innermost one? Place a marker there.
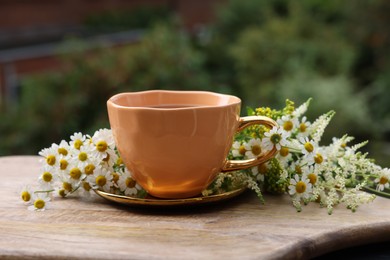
(337, 52)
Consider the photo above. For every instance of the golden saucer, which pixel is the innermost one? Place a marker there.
(152, 201)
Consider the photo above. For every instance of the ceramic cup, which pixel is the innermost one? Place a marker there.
(176, 142)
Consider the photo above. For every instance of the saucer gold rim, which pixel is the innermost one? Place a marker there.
(132, 201)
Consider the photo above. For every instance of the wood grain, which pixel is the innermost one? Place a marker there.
(240, 228)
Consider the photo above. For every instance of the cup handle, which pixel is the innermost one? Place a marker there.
(233, 165)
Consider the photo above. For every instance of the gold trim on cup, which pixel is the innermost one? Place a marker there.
(233, 165)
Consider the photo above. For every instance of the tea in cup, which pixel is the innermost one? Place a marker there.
(176, 142)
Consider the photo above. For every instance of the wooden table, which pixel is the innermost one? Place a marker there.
(240, 228)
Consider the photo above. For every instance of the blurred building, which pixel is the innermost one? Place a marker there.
(30, 31)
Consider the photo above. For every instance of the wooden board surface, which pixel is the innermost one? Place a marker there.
(240, 228)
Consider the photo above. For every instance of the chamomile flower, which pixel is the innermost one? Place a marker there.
(303, 127)
(300, 187)
(62, 192)
(296, 167)
(103, 141)
(284, 156)
(83, 156)
(253, 148)
(111, 158)
(276, 137)
(47, 178)
(77, 140)
(90, 168)
(40, 202)
(63, 162)
(288, 123)
(100, 179)
(67, 186)
(308, 146)
(127, 184)
(50, 156)
(320, 157)
(238, 149)
(259, 171)
(76, 175)
(383, 179)
(114, 181)
(26, 194)
(311, 173)
(63, 148)
(308, 149)
(85, 189)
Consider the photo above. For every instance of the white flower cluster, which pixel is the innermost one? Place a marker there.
(330, 174)
(82, 165)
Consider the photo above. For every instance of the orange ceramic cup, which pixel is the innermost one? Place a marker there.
(176, 142)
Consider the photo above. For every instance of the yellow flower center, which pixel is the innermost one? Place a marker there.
(51, 160)
(242, 150)
(130, 183)
(302, 127)
(115, 177)
(86, 186)
(63, 164)
(119, 161)
(62, 193)
(47, 176)
(300, 187)
(309, 147)
(67, 186)
(101, 146)
(288, 125)
(284, 151)
(75, 173)
(318, 158)
(101, 180)
(89, 169)
(312, 177)
(39, 204)
(256, 149)
(83, 156)
(383, 180)
(26, 196)
(298, 169)
(263, 168)
(77, 144)
(343, 145)
(63, 151)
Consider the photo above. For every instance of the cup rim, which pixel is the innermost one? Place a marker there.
(233, 100)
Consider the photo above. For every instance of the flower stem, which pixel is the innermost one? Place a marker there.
(43, 191)
(376, 192)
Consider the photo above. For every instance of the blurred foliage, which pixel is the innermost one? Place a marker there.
(118, 20)
(280, 49)
(330, 93)
(312, 48)
(55, 105)
(264, 51)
